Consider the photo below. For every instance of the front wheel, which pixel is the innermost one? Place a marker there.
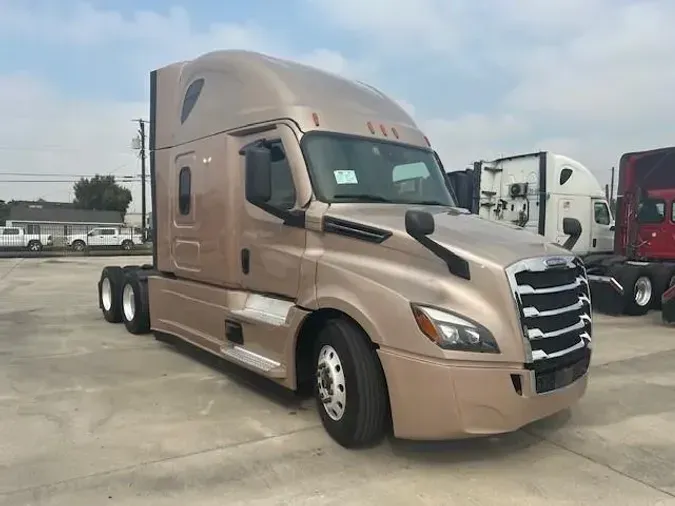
(35, 246)
(350, 390)
(127, 245)
(135, 302)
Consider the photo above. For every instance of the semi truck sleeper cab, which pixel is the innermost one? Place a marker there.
(302, 229)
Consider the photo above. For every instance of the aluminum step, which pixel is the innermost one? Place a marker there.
(268, 367)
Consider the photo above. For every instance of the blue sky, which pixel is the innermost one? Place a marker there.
(590, 79)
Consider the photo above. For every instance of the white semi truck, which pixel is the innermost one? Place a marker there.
(537, 191)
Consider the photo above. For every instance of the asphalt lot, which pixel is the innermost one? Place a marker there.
(90, 415)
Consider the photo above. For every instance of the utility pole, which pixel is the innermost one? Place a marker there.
(141, 137)
(611, 185)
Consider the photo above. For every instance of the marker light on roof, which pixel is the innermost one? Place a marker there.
(315, 117)
(394, 131)
(383, 130)
(371, 127)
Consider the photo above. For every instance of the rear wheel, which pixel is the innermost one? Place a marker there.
(127, 245)
(350, 388)
(109, 287)
(639, 293)
(79, 245)
(135, 302)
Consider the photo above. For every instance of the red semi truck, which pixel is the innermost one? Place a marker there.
(644, 239)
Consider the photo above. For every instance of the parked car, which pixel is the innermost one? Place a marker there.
(105, 237)
(17, 238)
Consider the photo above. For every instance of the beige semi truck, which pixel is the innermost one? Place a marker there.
(302, 229)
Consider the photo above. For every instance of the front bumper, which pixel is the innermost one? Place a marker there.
(434, 400)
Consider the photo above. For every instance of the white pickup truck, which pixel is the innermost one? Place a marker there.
(17, 238)
(105, 237)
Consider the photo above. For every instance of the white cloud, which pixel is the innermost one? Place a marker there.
(474, 137)
(591, 79)
(66, 137)
(48, 134)
(415, 26)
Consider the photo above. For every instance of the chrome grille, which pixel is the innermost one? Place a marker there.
(554, 302)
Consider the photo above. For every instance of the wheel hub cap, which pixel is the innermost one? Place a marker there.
(330, 379)
(106, 294)
(643, 291)
(128, 302)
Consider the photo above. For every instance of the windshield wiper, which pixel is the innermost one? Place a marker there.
(363, 196)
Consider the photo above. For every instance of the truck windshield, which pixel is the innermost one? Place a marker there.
(357, 169)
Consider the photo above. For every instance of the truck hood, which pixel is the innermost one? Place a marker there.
(456, 229)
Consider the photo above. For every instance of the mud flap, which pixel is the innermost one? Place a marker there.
(607, 295)
(668, 305)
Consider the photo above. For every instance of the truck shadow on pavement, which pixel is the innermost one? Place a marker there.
(606, 402)
(260, 385)
(463, 450)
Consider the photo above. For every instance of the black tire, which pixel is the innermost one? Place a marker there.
(135, 287)
(34, 246)
(127, 245)
(628, 275)
(79, 245)
(115, 277)
(663, 277)
(366, 406)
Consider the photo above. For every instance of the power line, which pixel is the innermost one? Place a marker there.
(64, 174)
(48, 174)
(129, 180)
(57, 149)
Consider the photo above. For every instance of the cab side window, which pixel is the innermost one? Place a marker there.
(283, 189)
(601, 213)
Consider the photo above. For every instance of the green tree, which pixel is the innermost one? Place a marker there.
(101, 193)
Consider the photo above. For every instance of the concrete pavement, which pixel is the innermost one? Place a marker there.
(90, 414)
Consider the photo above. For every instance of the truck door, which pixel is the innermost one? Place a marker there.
(574, 206)
(272, 240)
(655, 232)
(602, 228)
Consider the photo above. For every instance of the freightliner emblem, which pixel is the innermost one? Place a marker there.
(555, 261)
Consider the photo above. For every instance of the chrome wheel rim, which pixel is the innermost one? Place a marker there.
(106, 294)
(128, 302)
(331, 385)
(643, 291)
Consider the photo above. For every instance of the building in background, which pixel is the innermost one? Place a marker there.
(59, 219)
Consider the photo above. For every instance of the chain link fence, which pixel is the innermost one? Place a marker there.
(45, 240)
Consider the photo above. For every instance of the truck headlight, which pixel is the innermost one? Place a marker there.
(452, 332)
